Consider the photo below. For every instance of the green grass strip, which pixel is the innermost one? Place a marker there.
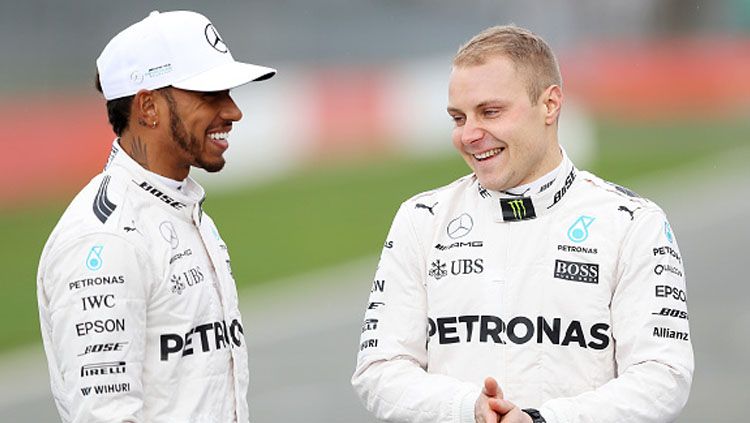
(327, 215)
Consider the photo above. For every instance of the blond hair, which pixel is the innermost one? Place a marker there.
(529, 53)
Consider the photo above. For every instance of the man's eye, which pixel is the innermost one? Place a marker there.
(491, 112)
(458, 120)
(212, 95)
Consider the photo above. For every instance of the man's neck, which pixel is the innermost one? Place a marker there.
(150, 155)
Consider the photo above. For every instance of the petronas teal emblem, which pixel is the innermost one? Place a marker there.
(94, 259)
(579, 230)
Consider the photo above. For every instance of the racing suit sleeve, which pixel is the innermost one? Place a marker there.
(390, 376)
(653, 352)
(95, 290)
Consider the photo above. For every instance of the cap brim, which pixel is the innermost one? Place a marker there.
(227, 76)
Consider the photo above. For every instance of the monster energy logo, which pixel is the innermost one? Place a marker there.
(517, 209)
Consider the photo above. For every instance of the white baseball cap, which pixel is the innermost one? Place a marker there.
(181, 48)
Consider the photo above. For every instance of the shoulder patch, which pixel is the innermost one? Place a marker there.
(623, 190)
(426, 207)
(102, 207)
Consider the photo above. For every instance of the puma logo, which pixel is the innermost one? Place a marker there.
(426, 207)
(630, 212)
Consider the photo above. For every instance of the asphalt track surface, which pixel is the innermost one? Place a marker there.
(303, 337)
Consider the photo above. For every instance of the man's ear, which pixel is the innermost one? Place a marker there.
(145, 109)
(552, 99)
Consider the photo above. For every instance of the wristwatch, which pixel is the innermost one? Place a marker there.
(534, 414)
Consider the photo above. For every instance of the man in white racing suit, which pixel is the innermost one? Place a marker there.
(137, 301)
(528, 291)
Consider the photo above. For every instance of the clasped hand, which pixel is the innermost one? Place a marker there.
(491, 407)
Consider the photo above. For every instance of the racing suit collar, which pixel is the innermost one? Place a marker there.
(537, 186)
(185, 202)
(507, 208)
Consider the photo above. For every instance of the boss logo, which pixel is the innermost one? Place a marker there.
(579, 272)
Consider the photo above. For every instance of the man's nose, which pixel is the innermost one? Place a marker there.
(471, 132)
(229, 110)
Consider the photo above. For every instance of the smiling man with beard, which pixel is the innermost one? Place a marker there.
(137, 302)
(525, 293)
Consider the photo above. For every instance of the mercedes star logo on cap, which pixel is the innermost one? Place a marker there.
(214, 40)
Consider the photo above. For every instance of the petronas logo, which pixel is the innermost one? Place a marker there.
(579, 230)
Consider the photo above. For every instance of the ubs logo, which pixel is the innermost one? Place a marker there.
(214, 40)
(438, 270)
(457, 267)
(188, 278)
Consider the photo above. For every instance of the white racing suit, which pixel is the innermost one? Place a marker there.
(573, 298)
(138, 305)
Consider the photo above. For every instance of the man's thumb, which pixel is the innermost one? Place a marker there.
(500, 406)
(491, 388)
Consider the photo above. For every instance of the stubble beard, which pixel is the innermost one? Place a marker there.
(188, 143)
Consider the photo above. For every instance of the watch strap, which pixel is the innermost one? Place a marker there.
(536, 417)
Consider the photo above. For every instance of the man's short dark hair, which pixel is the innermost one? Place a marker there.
(118, 110)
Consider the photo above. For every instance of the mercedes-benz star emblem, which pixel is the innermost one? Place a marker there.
(136, 77)
(169, 233)
(460, 226)
(214, 40)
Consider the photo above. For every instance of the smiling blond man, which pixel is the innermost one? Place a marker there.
(532, 291)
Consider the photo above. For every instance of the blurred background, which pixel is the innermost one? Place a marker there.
(657, 95)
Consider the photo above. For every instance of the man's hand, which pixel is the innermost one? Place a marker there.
(483, 411)
(508, 411)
